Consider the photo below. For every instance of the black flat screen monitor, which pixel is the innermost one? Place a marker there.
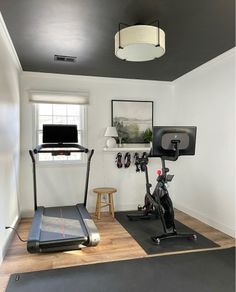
(163, 138)
(60, 134)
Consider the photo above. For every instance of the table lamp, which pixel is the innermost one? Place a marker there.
(111, 132)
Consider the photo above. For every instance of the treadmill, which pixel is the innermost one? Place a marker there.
(65, 227)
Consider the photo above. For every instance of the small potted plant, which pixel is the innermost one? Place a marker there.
(148, 136)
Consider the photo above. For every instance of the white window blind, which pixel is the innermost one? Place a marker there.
(53, 97)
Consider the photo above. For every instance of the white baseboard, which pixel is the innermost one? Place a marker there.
(209, 221)
(10, 236)
(27, 214)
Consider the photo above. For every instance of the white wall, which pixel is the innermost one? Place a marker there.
(9, 136)
(64, 185)
(205, 184)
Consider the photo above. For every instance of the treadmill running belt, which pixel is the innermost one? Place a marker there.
(61, 223)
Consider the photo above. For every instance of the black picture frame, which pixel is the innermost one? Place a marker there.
(133, 120)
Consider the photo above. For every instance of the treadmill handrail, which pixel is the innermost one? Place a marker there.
(40, 148)
(79, 148)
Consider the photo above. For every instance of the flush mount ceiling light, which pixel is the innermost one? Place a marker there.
(139, 42)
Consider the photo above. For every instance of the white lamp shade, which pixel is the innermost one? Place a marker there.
(140, 43)
(111, 132)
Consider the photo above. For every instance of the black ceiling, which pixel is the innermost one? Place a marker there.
(196, 31)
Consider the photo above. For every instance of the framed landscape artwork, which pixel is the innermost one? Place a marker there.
(133, 120)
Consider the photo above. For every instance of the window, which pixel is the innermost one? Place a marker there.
(61, 114)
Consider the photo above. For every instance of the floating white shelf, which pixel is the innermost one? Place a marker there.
(129, 148)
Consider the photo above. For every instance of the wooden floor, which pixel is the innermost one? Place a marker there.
(116, 244)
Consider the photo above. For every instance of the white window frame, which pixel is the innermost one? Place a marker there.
(84, 137)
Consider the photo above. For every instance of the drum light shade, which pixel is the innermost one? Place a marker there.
(139, 43)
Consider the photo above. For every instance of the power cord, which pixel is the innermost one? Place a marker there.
(9, 227)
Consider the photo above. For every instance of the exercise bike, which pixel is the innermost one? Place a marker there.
(168, 143)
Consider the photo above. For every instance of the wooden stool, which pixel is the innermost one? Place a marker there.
(100, 204)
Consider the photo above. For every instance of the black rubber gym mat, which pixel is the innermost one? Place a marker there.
(210, 271)
(142, 230)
